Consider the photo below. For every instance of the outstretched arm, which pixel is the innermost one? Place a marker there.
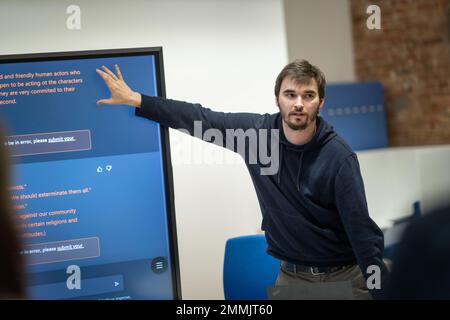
(172, 113)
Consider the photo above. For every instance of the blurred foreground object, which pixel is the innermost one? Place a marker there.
(11, 268)
(421, 266)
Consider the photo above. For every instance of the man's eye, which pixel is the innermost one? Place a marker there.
(290, 95)
(309, 96)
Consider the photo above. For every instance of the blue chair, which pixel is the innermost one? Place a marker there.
(248, 269)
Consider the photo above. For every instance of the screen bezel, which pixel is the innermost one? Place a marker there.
(157, 52)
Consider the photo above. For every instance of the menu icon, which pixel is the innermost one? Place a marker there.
(159, 265)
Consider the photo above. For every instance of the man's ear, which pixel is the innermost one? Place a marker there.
(321, 103)
(276, 102)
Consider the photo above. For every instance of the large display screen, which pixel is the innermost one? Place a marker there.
(92, 185)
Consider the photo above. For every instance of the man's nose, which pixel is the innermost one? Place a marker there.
(298, 102)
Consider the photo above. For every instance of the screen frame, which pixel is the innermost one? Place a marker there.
(157, 52)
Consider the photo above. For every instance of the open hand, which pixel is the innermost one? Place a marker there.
(120, 91)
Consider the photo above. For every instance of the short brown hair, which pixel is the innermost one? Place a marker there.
(302, 71)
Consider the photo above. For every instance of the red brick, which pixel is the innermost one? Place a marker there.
(410, 56)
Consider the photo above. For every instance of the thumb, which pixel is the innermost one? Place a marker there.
(105, 101)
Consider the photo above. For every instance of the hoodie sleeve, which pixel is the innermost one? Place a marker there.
(196, 119)
(365, 236)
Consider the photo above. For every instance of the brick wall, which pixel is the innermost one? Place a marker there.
(410, 55)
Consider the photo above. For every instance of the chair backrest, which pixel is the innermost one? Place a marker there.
(248, 269)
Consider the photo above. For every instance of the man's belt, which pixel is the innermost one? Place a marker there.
(296, 268)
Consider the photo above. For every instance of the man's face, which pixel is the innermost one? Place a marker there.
(299, 103)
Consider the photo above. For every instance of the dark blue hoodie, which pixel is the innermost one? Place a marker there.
(314, 208)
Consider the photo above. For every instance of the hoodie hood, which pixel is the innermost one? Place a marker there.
(323, 134)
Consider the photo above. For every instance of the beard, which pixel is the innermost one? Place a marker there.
(299, 120)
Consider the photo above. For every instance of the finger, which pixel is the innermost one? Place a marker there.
(119, 74)
(111, 74)
(104, 75)
(105, 101)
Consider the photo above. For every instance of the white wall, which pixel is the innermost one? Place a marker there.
(320, 31)
(391, 183)
(394, 178)
(224, 54)
(434, 176)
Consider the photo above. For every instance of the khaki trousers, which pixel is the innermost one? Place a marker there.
(348, 273)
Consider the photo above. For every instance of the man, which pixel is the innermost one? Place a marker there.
(314, 208)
